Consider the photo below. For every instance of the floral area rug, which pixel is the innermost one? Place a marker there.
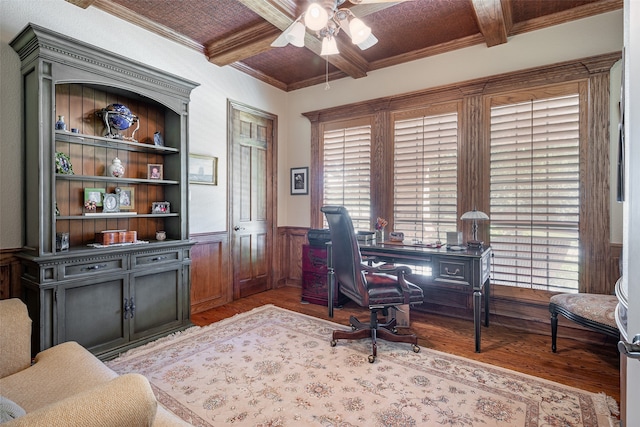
(274, 367)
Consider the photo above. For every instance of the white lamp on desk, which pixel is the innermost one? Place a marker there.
(475, 216)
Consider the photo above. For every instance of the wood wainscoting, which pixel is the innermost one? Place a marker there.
(290, 241)
(10, 271)
(210, 271)
(211, 283)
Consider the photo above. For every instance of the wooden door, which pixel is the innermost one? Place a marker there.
(252, 200)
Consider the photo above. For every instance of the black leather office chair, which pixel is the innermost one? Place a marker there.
(381, 288)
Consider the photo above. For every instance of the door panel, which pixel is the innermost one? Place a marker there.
(157, 296)
(252, 199)
(91, 313)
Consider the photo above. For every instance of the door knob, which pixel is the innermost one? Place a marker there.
(632, 349)
(236, 228)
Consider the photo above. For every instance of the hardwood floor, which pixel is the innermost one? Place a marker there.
(594, 368)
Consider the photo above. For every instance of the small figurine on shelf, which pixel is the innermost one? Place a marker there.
(116, 168)
(60, 124)
(157, 140)
(90, 205)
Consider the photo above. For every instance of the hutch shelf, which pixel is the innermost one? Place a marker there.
(106, 297)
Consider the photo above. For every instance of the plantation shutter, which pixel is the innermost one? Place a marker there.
(347, 170)
(535, 193)
(425, 176)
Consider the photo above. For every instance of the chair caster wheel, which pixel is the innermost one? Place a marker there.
(372, 358)
(333, 343)
(416, 349)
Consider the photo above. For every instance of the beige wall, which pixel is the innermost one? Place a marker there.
(207, 128)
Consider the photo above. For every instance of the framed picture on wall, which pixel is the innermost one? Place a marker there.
(299, 181)
(203, 169)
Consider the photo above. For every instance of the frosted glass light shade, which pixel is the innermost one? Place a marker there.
(316, 17)
(329, 46)
(474, 214)
(359, 31)
(368, 42)
(295, 36)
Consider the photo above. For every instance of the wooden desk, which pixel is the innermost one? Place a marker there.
(468, 268)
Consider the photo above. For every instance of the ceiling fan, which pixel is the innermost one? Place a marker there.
(326, 19)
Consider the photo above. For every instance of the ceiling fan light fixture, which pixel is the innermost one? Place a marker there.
(329, 46)
(316, 17)
(368, 42)
(295, 34)
(359, 31)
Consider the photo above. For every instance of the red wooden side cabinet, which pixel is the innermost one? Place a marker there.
(314, 277)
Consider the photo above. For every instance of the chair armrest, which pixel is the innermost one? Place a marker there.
(15, 337)
(396, 270)
(122, 402)
(384, 268)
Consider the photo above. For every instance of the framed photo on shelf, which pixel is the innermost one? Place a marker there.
(160, 208)
(299, 181)
(203, 169)
(93, 197)
(127, 198)
(154, 171)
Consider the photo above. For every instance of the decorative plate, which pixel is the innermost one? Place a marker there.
(63, 164)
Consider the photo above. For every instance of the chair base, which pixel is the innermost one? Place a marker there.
(385, 331)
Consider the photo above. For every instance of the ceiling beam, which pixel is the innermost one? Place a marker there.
(81, 3)
(491, 21)
(242, 44)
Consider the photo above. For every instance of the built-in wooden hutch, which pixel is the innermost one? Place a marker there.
(113, 296)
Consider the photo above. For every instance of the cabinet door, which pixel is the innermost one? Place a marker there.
(158, 298)
(91, 312)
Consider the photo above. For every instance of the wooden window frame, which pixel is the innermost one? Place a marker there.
(473, 156)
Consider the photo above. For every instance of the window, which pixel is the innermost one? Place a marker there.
(425, 176)
(551, 196)
(347, 170)
(535, 192)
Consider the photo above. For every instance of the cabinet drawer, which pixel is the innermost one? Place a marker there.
(150, 259)
(93, 266)
(316, 291)
(314, 259)
(453, 271)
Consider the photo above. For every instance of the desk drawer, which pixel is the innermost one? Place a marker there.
(93, 266)
(150, 259)
(453, 271)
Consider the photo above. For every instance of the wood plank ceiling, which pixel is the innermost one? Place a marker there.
(238, 33)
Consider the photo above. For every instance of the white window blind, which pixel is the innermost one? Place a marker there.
(425, 176)
(535, 193)
(347, 172)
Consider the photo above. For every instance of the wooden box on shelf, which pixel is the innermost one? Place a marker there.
(110, 237)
